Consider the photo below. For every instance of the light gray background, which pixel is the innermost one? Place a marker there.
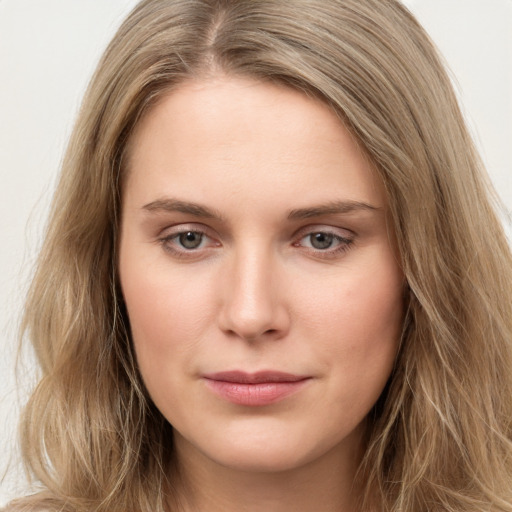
(48, 50)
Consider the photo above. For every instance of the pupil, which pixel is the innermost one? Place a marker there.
(321, 240)
(190, 240)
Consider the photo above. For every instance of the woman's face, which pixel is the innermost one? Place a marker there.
(259, 273)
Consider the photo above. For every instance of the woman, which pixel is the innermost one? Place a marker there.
(273, 277)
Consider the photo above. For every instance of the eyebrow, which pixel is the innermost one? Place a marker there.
(197, 210)
(331, 208)
(175, 205)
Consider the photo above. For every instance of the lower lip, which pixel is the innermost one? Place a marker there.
(263, 393)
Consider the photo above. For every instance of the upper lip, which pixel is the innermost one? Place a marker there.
(241, 377)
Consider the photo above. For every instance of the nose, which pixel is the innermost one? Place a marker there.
(253, 305)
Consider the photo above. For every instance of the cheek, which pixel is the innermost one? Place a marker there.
(356, 324)
(168, 319)
(168, 312)
(363, 303)
(358, 349)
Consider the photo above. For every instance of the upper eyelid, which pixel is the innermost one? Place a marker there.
(322, 228)
(181, 227)
(176, 234)
(341, 239)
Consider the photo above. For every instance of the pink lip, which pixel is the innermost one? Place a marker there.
(254, 389)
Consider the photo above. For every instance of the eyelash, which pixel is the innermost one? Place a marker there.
(343, 244)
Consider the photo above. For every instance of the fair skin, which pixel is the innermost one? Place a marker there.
(254, 238)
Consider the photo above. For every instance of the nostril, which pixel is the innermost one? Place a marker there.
(253, 335)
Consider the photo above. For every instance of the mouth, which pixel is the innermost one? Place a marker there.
(254, 389)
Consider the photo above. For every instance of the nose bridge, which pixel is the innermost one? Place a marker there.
(252, 306)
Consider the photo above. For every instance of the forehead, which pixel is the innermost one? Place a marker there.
(241, 134)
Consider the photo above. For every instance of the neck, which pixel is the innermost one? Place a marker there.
(326, 484)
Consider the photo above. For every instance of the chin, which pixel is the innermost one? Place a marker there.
(258, 460)
(268, 449)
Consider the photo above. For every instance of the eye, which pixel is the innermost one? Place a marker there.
(324, 242)
(183, 241)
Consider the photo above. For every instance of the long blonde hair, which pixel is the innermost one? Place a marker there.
(440, 437)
